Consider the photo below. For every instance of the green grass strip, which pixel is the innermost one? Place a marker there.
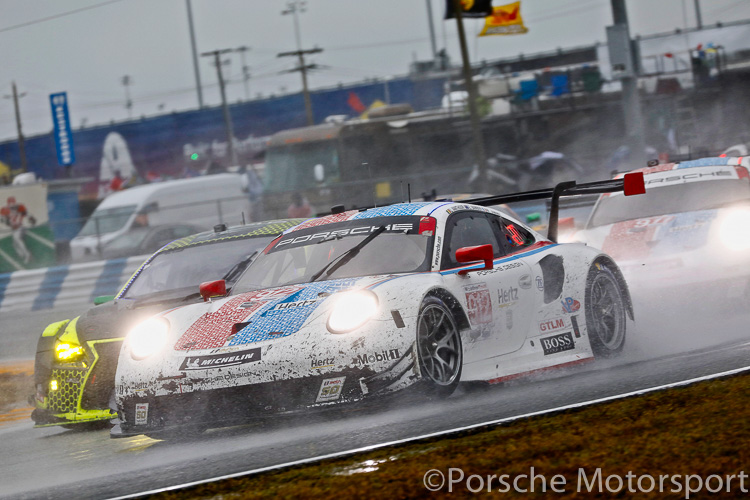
(685, 434)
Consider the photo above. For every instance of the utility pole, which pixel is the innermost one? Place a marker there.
(473, 111)
(432, 30)
(245, 69)
(623, 61)
(21, 143)
(698, 17)
(293, 6)
(216, 54)
(196, 68)
(126, 82)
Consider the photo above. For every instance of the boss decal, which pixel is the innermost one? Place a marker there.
(558, 343)
(220, 360)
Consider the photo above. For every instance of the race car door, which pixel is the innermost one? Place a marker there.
(498, 302)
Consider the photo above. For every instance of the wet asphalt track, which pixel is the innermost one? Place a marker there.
(668, 344)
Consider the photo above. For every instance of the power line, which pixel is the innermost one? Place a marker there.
(57, 16)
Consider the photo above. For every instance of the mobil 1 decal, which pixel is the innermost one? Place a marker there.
(558, 343)
(478, 303)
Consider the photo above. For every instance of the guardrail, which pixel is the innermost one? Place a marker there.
(65, 286)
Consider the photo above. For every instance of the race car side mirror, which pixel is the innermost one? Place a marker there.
(210, 289)
(473, 254)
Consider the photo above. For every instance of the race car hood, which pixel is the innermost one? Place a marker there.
(257, 316)
(653, 237)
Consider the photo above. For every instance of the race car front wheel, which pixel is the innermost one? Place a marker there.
(439, 348)
(605, 312)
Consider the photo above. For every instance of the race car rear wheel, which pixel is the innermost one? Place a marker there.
(605, 312)
(439, 348)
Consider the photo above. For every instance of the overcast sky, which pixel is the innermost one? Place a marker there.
(85, 47)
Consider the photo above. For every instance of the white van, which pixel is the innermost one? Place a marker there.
(202, 201)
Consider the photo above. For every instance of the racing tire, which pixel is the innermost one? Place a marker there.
(605, 312)
(439, 348)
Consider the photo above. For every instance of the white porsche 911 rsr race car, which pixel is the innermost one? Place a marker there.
(692, 227)
(367, 302)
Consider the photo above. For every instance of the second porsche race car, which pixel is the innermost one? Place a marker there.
(368, 302)
(76, 360)
(692, 228)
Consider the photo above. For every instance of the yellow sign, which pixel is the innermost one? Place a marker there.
(505, 20)
(383, 189)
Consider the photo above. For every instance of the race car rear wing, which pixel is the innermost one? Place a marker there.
(631, 184)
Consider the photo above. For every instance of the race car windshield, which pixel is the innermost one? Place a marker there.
(177, 273)
(671, 199)
(393, 245)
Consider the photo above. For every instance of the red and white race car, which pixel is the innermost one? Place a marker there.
(691, 227)
(368, 302)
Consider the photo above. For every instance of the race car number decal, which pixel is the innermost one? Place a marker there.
(478, 304)
(141, 414)
(330, 389)
(515, 235)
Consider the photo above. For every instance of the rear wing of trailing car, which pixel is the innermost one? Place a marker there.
(630, 184)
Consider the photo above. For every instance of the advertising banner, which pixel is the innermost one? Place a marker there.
(505, 20)
(26, 240)
(63, 135)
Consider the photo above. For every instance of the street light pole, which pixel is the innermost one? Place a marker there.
(432, 30)
(245, 69)
(216, 54)
(698, 16)
(293, 6)
(126, 82)
(21, 143)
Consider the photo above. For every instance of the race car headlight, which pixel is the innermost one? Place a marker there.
(148, 338)
(68, 352)
(352, 310)
(734, 230)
